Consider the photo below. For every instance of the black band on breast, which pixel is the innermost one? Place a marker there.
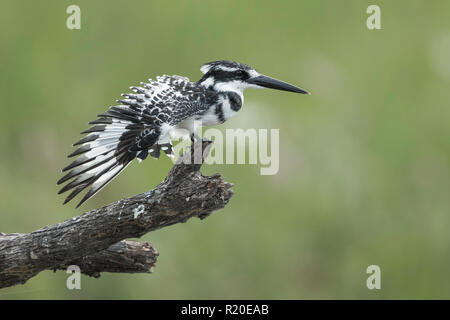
(235, 101)
(219, 112)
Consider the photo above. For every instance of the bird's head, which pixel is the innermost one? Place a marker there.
(225, 76)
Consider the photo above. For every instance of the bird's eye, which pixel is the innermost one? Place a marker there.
(242, 74)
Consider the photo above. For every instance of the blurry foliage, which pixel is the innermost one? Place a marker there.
(364, 161)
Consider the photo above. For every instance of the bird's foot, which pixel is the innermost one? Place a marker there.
(196, 138)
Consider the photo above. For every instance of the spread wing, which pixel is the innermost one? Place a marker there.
(127, 131)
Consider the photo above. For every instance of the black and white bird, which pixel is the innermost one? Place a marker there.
(143, 122)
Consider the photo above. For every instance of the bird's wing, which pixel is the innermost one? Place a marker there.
(183, 99)
(127, 131)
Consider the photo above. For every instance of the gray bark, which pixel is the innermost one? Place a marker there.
(93, 240)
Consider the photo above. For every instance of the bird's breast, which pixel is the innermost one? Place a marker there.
(210, 117)
(226, 106)
(229, 107)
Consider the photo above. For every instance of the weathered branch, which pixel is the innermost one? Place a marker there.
(124, 257)
(92, 240)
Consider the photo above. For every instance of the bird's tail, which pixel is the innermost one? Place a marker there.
(106, 150)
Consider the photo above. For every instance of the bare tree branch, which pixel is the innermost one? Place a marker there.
(124, 257)
(92, 240)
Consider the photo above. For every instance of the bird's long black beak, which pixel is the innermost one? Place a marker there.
(268, 82)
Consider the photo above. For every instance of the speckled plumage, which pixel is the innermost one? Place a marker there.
(143, 122)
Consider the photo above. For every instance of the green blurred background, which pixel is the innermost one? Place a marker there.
(364, 161)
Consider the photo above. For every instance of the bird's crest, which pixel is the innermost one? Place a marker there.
(224, 65)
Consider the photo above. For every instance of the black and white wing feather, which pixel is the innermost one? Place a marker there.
(129, 130)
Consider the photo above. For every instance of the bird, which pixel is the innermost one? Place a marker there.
(144, 121)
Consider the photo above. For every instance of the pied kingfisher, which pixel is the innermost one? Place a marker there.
(145, 120)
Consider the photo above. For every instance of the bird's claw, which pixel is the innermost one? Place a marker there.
(196, 138)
